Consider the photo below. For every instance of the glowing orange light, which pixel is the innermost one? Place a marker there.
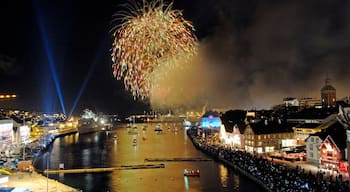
(8, 96)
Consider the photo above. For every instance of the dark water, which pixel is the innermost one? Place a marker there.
(101, 150)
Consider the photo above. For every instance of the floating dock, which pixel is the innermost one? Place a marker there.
(176, 159)
(105, 169)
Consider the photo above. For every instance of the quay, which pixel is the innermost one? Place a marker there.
(105, 169)
(64, 132)
(21, 180)
(176, 159)
(36, 182)
(270, 174)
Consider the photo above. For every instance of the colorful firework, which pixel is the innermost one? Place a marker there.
(150, 35)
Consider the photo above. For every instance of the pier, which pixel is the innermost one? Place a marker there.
(105, 169)
(176, 159)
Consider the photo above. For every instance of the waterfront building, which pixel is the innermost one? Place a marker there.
(333, 149)
(210, 123)
(6, 126)
(233, 139)
(313, 143)
(344, 119)
(267, 137)
(21, 129)
(327, 148)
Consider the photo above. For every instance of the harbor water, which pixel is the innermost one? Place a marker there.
(133, 146)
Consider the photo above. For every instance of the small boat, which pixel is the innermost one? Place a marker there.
(191, 173)
(144, 128)
(158, 128)
(134, 142)
(144, 138)
(115, 137)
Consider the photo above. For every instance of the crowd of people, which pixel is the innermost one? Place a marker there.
(273, 176)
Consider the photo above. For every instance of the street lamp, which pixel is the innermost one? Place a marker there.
(8, 96)
(47, 171)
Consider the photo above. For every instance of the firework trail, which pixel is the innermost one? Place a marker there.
(151, 35)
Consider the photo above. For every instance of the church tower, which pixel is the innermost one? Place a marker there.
(328, 94)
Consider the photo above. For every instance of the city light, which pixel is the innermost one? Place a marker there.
(8, 96)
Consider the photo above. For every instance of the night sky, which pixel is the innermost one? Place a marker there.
(256, 52)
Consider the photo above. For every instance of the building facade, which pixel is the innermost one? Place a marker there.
(6, 132)
(330, 154)
(265, 137)
(313, 143)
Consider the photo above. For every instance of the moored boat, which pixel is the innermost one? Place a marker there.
(158, 128)
(134, 141)
(191, 173)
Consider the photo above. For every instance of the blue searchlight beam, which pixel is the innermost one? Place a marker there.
(45, 41)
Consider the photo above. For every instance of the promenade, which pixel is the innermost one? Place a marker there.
(273, 175)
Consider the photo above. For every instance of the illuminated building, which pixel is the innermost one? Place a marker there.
(6, 126)
(328, 94)
(234, 139)
(304, 130)
(327, 148)
(344, 119)
(291, 101)
(266, 137)
(210, 123)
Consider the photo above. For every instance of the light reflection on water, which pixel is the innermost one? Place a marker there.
(223, 175)
(103, 150)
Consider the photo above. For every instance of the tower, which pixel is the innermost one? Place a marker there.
(328, 94)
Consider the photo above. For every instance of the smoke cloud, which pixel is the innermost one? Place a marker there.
(253, 54)
(7, 65)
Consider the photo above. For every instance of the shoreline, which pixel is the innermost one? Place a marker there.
(233, 166)
(42, 182)
(271, 175)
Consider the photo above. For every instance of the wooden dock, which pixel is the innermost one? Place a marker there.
(176, 159)
(105, 169)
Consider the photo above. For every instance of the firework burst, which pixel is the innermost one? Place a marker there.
(151, 34)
